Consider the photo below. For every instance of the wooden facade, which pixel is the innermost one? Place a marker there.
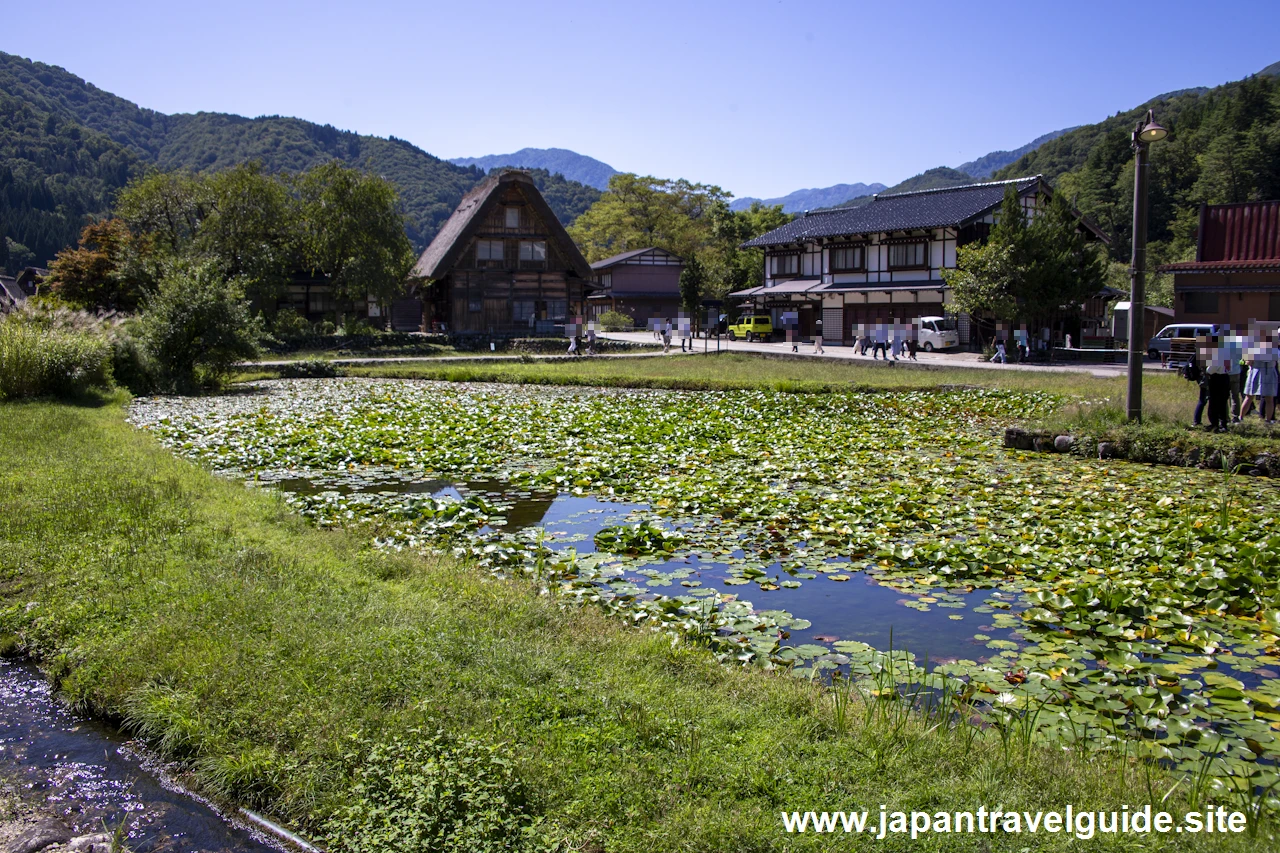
(1235, 278)
(644, 284)
(882, 262)
(503, 264)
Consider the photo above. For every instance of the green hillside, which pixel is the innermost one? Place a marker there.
(429, 187)
(1223, 146)
(53, 174)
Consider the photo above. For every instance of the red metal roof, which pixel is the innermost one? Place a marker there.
(1239, 232)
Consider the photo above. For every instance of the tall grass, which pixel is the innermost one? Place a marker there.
(56, 353)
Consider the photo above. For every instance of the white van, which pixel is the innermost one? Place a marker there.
(936, 333)
(1161, 346)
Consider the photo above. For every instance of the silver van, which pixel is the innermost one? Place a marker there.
(1161, 346)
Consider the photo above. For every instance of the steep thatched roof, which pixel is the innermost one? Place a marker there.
(451, 242)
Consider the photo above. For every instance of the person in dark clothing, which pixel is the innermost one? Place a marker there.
(1219, 386)
(1193, 372)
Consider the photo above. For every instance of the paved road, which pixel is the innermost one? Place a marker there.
(844, 353)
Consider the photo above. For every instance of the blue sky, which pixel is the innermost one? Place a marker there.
(759, 97)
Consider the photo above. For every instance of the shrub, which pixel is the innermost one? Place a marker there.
(434, 793)
(310, 369)
(197, 327)
(58, 352)
(289, 325)
(615, 321)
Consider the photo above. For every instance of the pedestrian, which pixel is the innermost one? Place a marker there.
(897, 341)
(666, 336)
(591, 340)
(817, 336)
(1194, 372)
(573, 345)
(1219, 385)
(912, 346)
(1233, 345)
(880, 346)
(1068, 346)
(864, 339)
(1262, 382)
(1000, 354)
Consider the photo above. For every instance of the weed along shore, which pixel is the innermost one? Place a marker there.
(347, 691)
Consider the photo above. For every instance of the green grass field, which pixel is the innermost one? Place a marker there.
(300, 672)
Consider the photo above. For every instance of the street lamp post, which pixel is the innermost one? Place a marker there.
(1146, 132)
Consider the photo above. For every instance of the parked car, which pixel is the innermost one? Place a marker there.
(936, 333)
(1161, 346)
(757, 327)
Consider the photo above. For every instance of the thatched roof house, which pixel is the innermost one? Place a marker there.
(503, 264)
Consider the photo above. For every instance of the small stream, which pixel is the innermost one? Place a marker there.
(95, 780)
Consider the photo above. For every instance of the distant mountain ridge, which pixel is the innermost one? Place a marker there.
(987, 164)
(810, 199)
(430, 188)
(571, 164)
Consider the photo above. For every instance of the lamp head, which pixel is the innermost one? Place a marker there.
(1150, 131)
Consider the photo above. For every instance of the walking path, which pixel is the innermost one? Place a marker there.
(834, 352)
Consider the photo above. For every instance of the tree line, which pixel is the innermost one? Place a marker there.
(688, 219)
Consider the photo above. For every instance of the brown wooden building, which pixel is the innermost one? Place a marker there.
(503, 264)
(1235, 277)
(644, 284)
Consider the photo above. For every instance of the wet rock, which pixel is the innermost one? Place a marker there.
(44, 834)
(1108, 450)
(1193, 457)
(1063, 443)
(99, 843)
(1019, 439)
(1173, 456)
(1043, 444)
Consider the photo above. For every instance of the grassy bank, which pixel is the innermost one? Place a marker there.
(363, 696)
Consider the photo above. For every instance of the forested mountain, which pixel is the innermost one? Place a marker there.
(53, 174)
(988, 163)
(1223, 146)
(571, 164)
(47, 101)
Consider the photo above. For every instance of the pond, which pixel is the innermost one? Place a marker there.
(1106, 601)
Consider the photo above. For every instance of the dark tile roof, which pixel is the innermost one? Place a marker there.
(626, 256)
(938, 208)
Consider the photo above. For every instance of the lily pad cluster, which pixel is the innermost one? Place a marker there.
(1138, 604)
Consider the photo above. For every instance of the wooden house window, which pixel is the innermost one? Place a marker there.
(848, 258)
(522, 310)
(513, 217)
(784, 265)
(533, 250)
(488, 251)
(557, 309)
(906, 256)
(1199, 302)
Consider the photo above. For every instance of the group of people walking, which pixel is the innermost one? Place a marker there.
(888, 341)
(1219, 364)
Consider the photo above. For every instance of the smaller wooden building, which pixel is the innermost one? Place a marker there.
(503, 264)
(1235, 277)
(644, 284)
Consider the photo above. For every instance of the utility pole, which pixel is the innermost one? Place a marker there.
(1144, 134)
